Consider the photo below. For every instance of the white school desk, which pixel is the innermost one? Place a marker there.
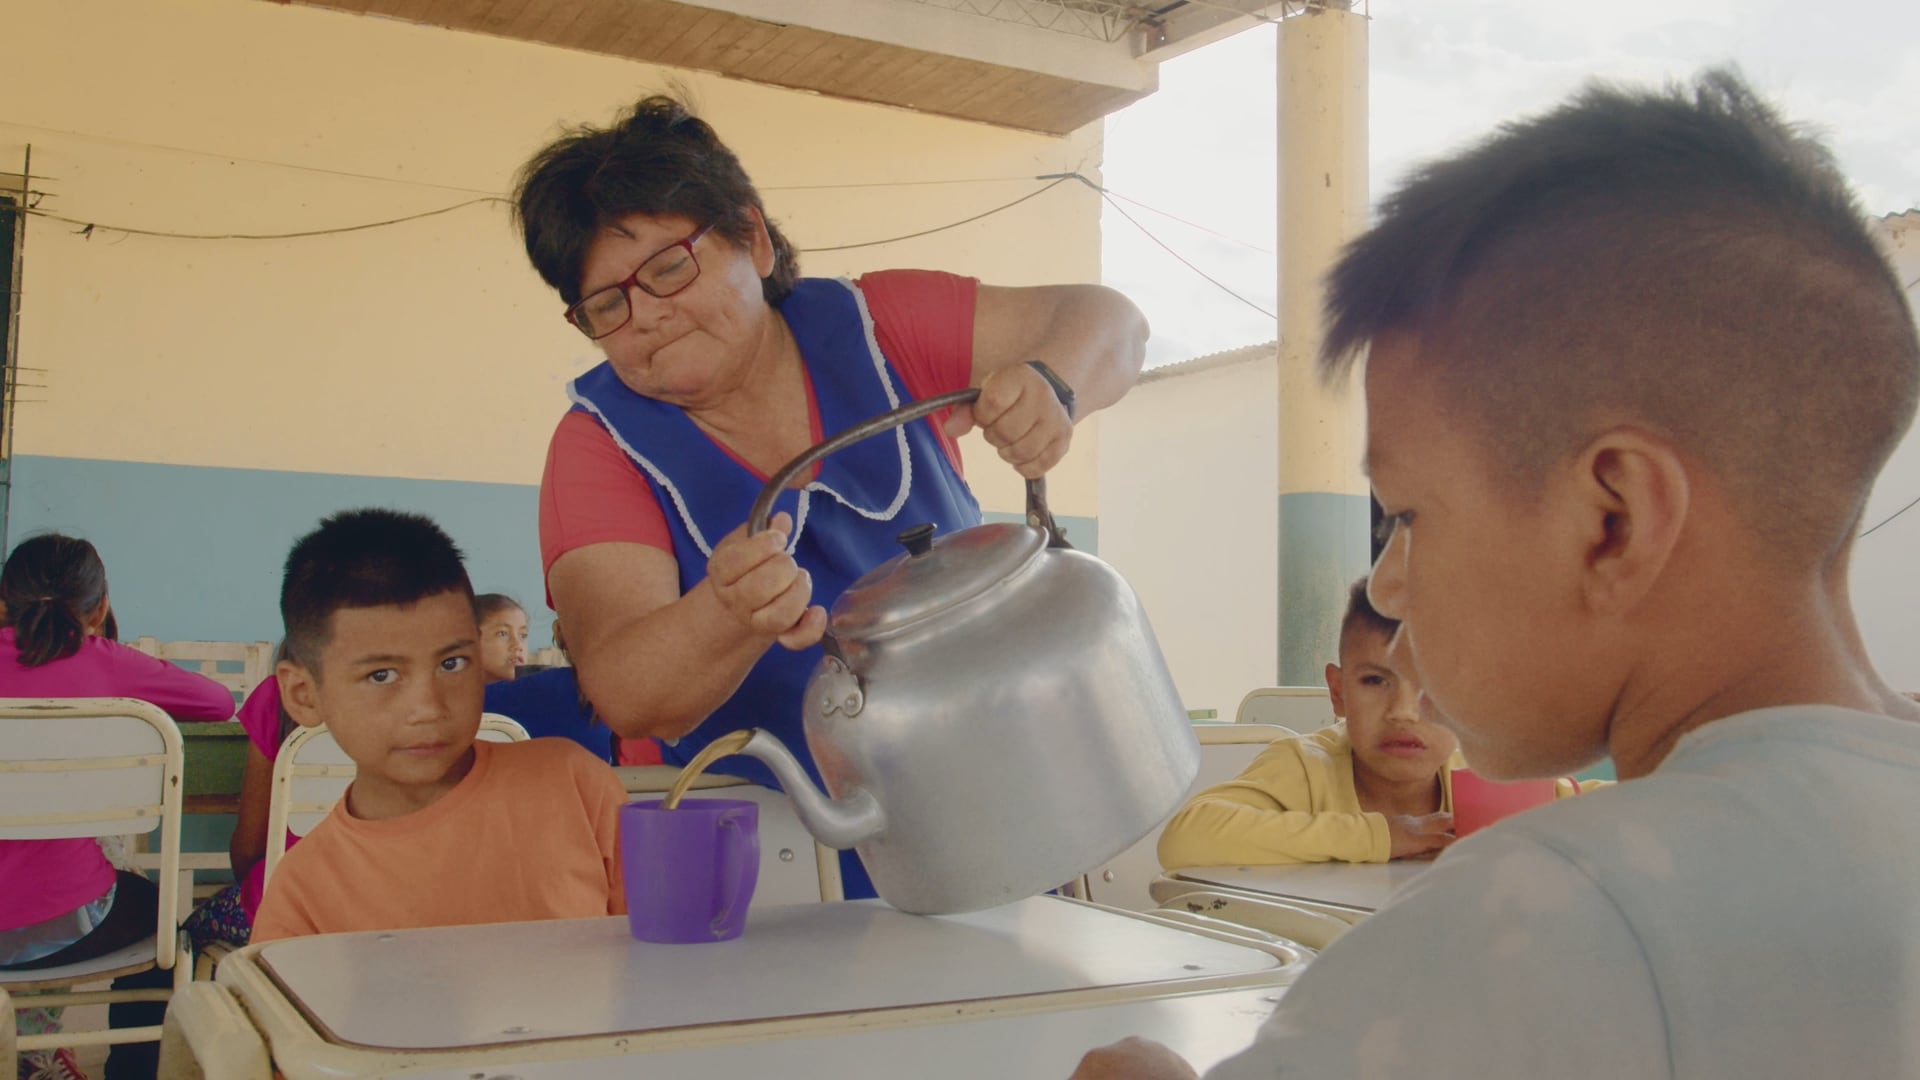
(1350, 890)
(1205, 1028)
(481, 997)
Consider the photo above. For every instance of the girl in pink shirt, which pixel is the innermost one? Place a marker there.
(228, 915)
(64, 902)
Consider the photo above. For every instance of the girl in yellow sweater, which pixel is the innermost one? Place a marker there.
(1372, 788)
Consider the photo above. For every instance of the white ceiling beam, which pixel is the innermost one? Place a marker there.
(934, 29)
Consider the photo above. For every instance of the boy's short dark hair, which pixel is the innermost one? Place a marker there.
(1363, 616)
(358, 559)
(1684, 261)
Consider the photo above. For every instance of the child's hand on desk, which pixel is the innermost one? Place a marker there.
(1134, 1058)
(1421, 837)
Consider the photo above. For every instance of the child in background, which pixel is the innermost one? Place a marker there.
(227, 916)
(1632, 368)
(503, 635)
(436, 829)
(62, 902)
(1369, 789)
(549, 703)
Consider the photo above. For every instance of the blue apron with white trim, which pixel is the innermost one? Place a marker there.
(845, 519)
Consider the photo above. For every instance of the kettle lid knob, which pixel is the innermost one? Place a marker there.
(917, 540)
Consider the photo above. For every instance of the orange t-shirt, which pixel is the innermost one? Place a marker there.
(532, 832)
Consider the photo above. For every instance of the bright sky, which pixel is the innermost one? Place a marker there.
(1444, 74)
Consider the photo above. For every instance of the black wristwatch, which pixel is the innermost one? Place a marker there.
(1060, 388)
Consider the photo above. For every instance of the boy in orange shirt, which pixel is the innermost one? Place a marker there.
(436, 829)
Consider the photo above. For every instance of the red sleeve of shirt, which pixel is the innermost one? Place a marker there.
(923, 320)
(591, 493)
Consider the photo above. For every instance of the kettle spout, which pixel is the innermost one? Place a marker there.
(840, 823)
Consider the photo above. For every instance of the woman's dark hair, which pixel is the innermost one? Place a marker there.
(50, 585)
(657, 159)
(486, 605)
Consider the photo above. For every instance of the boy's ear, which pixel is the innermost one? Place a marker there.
(1334, 691)
(299, 693)
(1634, 495)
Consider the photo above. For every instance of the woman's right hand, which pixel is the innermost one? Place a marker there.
(763, 588)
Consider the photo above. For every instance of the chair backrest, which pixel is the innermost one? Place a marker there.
(1225, 749)
(311, 773)
(794, 868)
(1302, 708)
(237, 665)
(495, 727)
(89, 767)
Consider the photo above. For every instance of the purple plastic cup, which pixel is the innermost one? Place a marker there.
(689, 871)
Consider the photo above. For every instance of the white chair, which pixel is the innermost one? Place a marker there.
(208, 1036)
(1225, 749)
(495, 727)
(86, 768)
(253, 659)
(794, 868)
(311, 772)
(1302, 708)
(1314, 929)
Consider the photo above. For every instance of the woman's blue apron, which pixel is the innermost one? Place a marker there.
(845, 520)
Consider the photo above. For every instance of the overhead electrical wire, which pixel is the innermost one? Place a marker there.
(1148, 233)
(87, 228)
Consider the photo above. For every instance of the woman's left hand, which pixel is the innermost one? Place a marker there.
(1021, 417)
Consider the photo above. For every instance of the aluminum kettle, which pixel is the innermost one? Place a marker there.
(992, 715)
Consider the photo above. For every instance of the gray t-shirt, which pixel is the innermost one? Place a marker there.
(1750, 909)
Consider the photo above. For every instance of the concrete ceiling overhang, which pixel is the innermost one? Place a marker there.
(1051, 66)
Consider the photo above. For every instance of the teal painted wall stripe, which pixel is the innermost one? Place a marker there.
(195, 553)
(1082, 532)
(1323, 548)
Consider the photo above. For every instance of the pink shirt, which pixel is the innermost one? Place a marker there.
(46, 878)
(260, 716)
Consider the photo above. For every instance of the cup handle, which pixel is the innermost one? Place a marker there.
(734, 854)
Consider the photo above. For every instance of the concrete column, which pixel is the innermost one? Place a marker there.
(1323, 506)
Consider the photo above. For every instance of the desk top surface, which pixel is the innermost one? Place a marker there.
(1204, 1028)
(1362, 886)
(471, 986)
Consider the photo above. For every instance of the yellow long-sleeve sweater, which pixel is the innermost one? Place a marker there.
(1295, 803)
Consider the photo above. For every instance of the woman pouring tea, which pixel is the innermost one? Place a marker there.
(722, 365)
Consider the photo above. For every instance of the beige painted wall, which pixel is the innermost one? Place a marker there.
(1188, 514)
(427, 349)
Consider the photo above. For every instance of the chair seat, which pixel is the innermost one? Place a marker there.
(136, 957)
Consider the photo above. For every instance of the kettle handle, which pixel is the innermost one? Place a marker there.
(1038, 514)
